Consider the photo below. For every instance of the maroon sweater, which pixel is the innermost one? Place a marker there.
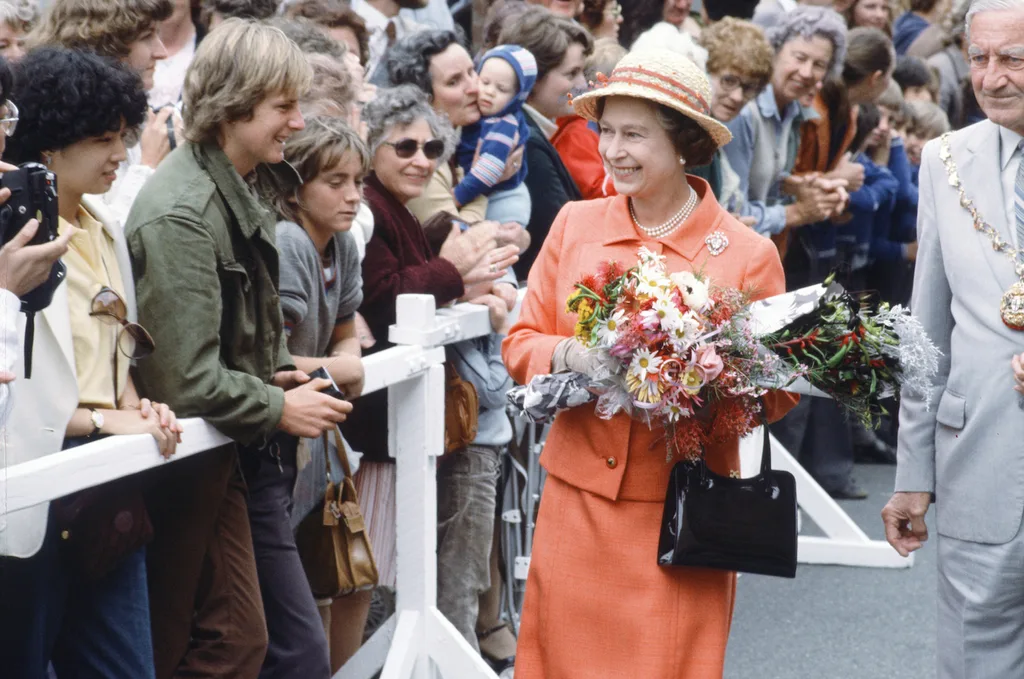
(398, 261)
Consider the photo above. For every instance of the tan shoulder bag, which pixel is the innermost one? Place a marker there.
(333, 544)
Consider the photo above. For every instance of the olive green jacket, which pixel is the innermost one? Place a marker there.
(206, 279)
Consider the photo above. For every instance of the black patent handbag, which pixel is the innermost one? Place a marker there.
(744, 525)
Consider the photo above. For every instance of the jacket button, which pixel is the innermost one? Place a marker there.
(612, 463)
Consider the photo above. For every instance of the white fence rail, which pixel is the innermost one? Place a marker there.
(417, 641)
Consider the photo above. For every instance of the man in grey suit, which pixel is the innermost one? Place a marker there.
(965, 444)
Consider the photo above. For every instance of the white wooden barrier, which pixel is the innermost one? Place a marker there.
(417, 641)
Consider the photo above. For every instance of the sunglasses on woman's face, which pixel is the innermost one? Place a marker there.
(407, 148)
(133, 340)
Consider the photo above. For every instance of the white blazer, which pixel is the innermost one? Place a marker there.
(43, 406)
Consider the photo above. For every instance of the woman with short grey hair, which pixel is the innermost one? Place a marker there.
(809, 44)
(407, 140)
(403, 106)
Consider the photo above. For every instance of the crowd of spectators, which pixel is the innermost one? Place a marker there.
(246, 186)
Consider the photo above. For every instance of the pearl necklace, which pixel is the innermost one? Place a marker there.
(673, 223)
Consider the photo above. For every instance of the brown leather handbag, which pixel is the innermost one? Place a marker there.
(461, 410)
(333, 543)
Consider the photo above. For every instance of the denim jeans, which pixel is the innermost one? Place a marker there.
(88, 629)
(297, 646)
(466, 495)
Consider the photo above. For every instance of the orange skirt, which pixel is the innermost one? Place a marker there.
(598, 605)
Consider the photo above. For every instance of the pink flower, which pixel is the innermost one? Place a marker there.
(710, 361)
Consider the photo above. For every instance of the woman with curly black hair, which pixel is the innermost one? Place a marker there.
(82, 606)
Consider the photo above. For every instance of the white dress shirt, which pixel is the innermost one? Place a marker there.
(435, 15)
(376, 25)
(1009, 161)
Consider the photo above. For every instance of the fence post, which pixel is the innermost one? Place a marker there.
(422, 640)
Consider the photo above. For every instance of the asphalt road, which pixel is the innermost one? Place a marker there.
(835, 622)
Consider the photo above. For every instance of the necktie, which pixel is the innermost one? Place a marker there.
(392, 32)
(1018, 198)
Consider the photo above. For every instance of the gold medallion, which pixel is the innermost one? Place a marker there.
(1011, 308)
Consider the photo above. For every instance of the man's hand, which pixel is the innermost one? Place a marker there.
(289, 379)
(912, 251)
(25, 267)
(1017, 363)
(308, 413)
(903, 517)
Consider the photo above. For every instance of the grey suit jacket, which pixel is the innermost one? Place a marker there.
(967, 444)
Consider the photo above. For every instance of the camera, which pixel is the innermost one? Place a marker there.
(333, 390)
(33, 196)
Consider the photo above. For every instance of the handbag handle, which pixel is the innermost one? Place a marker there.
(766, 448)
(346, 468)
(766, 456)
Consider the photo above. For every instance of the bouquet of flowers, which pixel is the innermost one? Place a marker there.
(695, 357)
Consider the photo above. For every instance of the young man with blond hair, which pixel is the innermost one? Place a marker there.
(206, 270)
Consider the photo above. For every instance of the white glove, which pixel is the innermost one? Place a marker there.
(571, 356)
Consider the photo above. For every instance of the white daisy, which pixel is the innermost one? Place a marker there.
(644, 363)
(609, 328)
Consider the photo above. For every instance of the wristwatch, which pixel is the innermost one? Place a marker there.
(97, 421)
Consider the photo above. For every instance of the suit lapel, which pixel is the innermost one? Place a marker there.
(57, 317)
(985, 188)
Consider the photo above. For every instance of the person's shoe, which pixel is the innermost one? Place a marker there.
(875, 452)
(850, 491)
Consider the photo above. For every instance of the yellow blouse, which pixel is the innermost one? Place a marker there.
(92, 264)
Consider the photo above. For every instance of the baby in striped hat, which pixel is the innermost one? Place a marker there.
(507, 74)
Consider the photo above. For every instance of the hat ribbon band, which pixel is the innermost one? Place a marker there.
(675, 88)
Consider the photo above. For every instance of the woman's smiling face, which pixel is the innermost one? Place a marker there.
(637, 149)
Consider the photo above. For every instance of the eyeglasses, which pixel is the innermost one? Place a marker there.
(614, 10)
(730, 82)
(10, 120)
(407, 148)
(133, 340)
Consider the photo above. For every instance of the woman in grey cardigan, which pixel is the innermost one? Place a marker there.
(321, 287)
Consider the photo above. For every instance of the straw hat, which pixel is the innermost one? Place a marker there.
(664, 77)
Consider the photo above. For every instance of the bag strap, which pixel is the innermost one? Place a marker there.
(339, 442)
(766, 447)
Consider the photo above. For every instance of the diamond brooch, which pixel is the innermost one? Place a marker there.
(717, 242)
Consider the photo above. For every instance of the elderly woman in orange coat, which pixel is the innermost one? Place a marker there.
(597, 604)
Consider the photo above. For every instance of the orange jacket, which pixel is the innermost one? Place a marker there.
(621, 458)
(577, 147)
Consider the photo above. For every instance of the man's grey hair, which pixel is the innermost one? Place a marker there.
(402, 106)
(979, 6)
(808, 21)
(408, 60)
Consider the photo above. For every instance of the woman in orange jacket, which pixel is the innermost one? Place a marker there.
(597, 603)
